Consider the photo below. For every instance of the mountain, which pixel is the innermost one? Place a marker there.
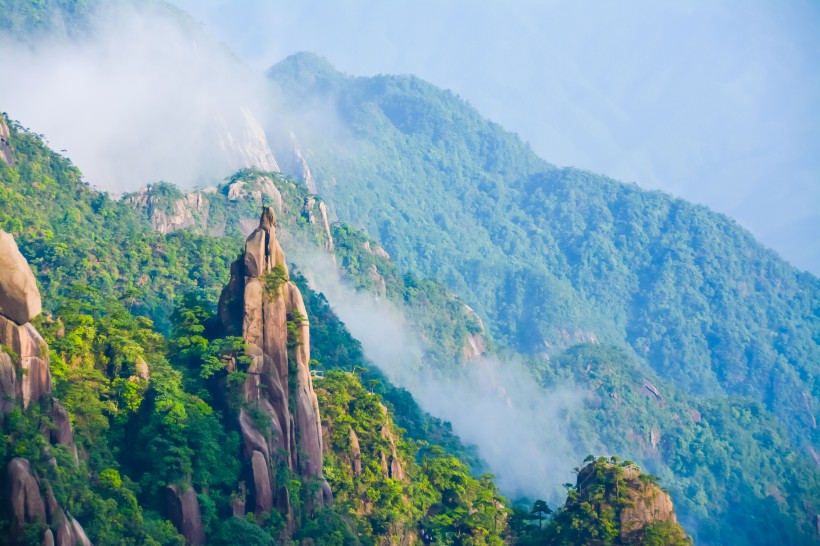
(158, 132)
(169, 435)
(674, 302)
(680, 341)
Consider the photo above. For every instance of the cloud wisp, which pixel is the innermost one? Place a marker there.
(520, 429)
(142, 96)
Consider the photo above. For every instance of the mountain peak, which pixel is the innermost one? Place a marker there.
(306, 71)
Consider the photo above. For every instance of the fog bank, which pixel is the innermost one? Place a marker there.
(141, 96)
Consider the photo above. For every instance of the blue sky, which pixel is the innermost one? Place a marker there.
(717, 102)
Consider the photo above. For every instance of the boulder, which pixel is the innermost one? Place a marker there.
(263, 493)
(61, 433)
(24, 498)
(79, 534)
(183, 511)
(19, 297)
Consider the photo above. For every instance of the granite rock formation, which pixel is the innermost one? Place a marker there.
(19, 297)
(263, 306)
(25, 379)
(637, 501)
(183, 510)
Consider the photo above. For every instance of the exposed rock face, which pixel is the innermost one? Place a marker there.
(24, 371)
(261, 483)
(391, 464)
(647, 503)
(167, 217)
(257, 303)
(5, 143)
(476, 346)
(61, 433)
(355, 454)
(183, 510)
(27, 506)
(255, 190)
(31, 377)
(316, 213)
(652, 505)
(19, 297)
(193, 210)
(247, 144)
(300, 164)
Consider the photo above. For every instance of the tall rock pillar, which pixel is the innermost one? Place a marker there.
(279, 421)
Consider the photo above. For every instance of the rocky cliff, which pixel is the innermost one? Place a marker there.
(617, 500)
(233, 207)
(242, 140)
(25, 379)
(279, 419)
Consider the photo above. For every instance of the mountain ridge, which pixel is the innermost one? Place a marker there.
(552, 257)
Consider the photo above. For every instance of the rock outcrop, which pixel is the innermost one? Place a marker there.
(243, 140)
(19, 297)
(475, 346)
(25, 378)
(355, 453)
(183, 510)
(651, 505)
(169, 210)
(24, 371)
(260, 304)
(23, 493)
(637, 501)
(5, 143)
(300, 165)
(316, 213)
(391, 464)
(168, 214)
(255, 190)
(32, 505)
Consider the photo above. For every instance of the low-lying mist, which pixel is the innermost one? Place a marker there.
(520, 429)
(143, 95)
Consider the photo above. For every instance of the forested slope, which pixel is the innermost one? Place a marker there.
(554, 257)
